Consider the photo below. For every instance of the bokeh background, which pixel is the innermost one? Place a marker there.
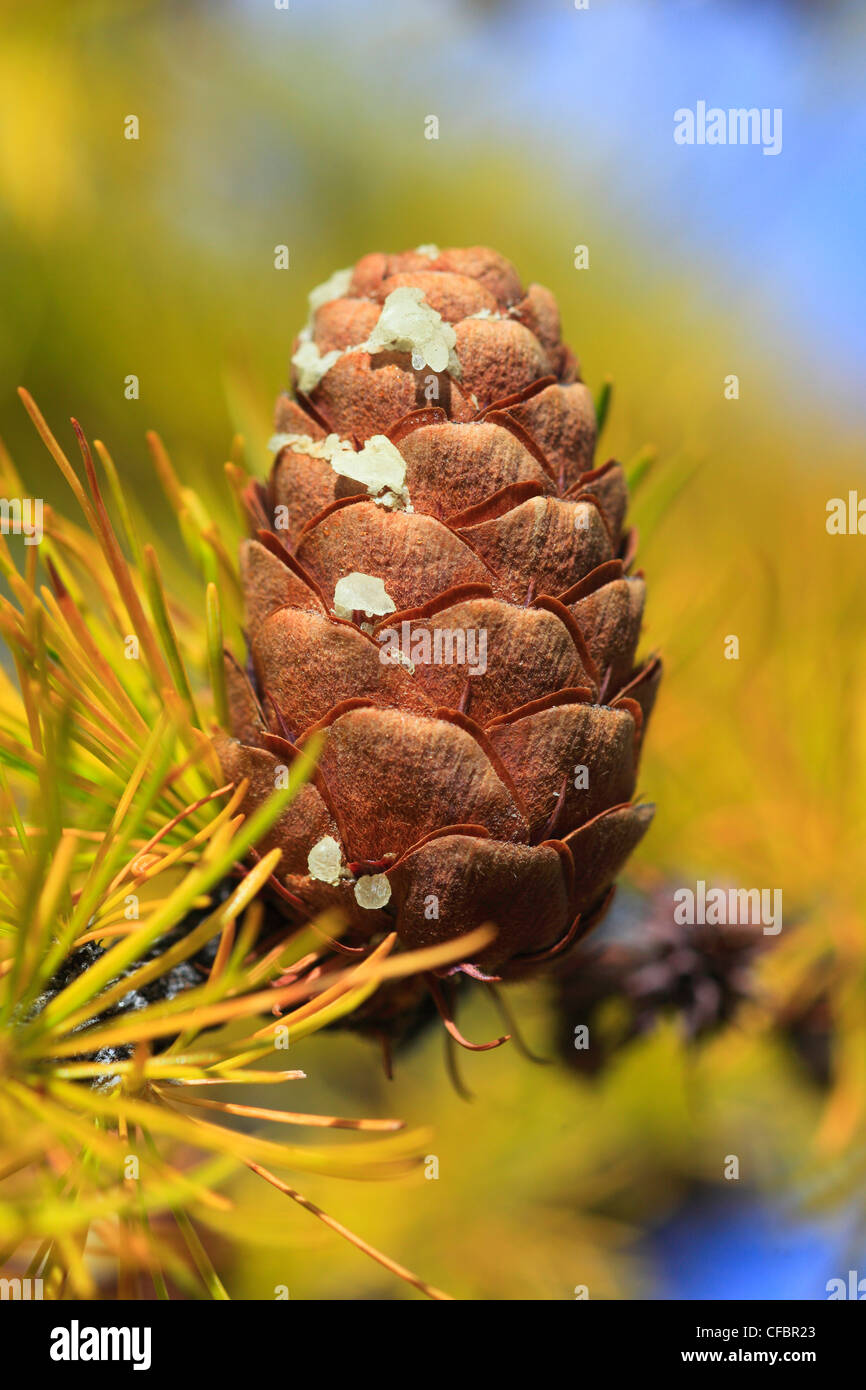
(261, 126)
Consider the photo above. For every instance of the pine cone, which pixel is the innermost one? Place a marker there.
(439, 580)
(654, 967)
(186, 974)
(809, 1027)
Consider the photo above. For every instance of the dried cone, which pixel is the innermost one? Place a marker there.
(434, 489)
(649, 966)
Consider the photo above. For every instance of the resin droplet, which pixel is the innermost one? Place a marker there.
(379, 466)
(325, 860)
(362, 593)
(373, 890)
(407, 323)
(311, 366)
(334, 288)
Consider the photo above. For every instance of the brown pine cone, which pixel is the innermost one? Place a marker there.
(439, 579)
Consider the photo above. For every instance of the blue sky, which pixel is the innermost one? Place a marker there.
(594, 93)
(724, 1247)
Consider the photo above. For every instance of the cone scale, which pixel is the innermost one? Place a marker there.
(439, 580)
